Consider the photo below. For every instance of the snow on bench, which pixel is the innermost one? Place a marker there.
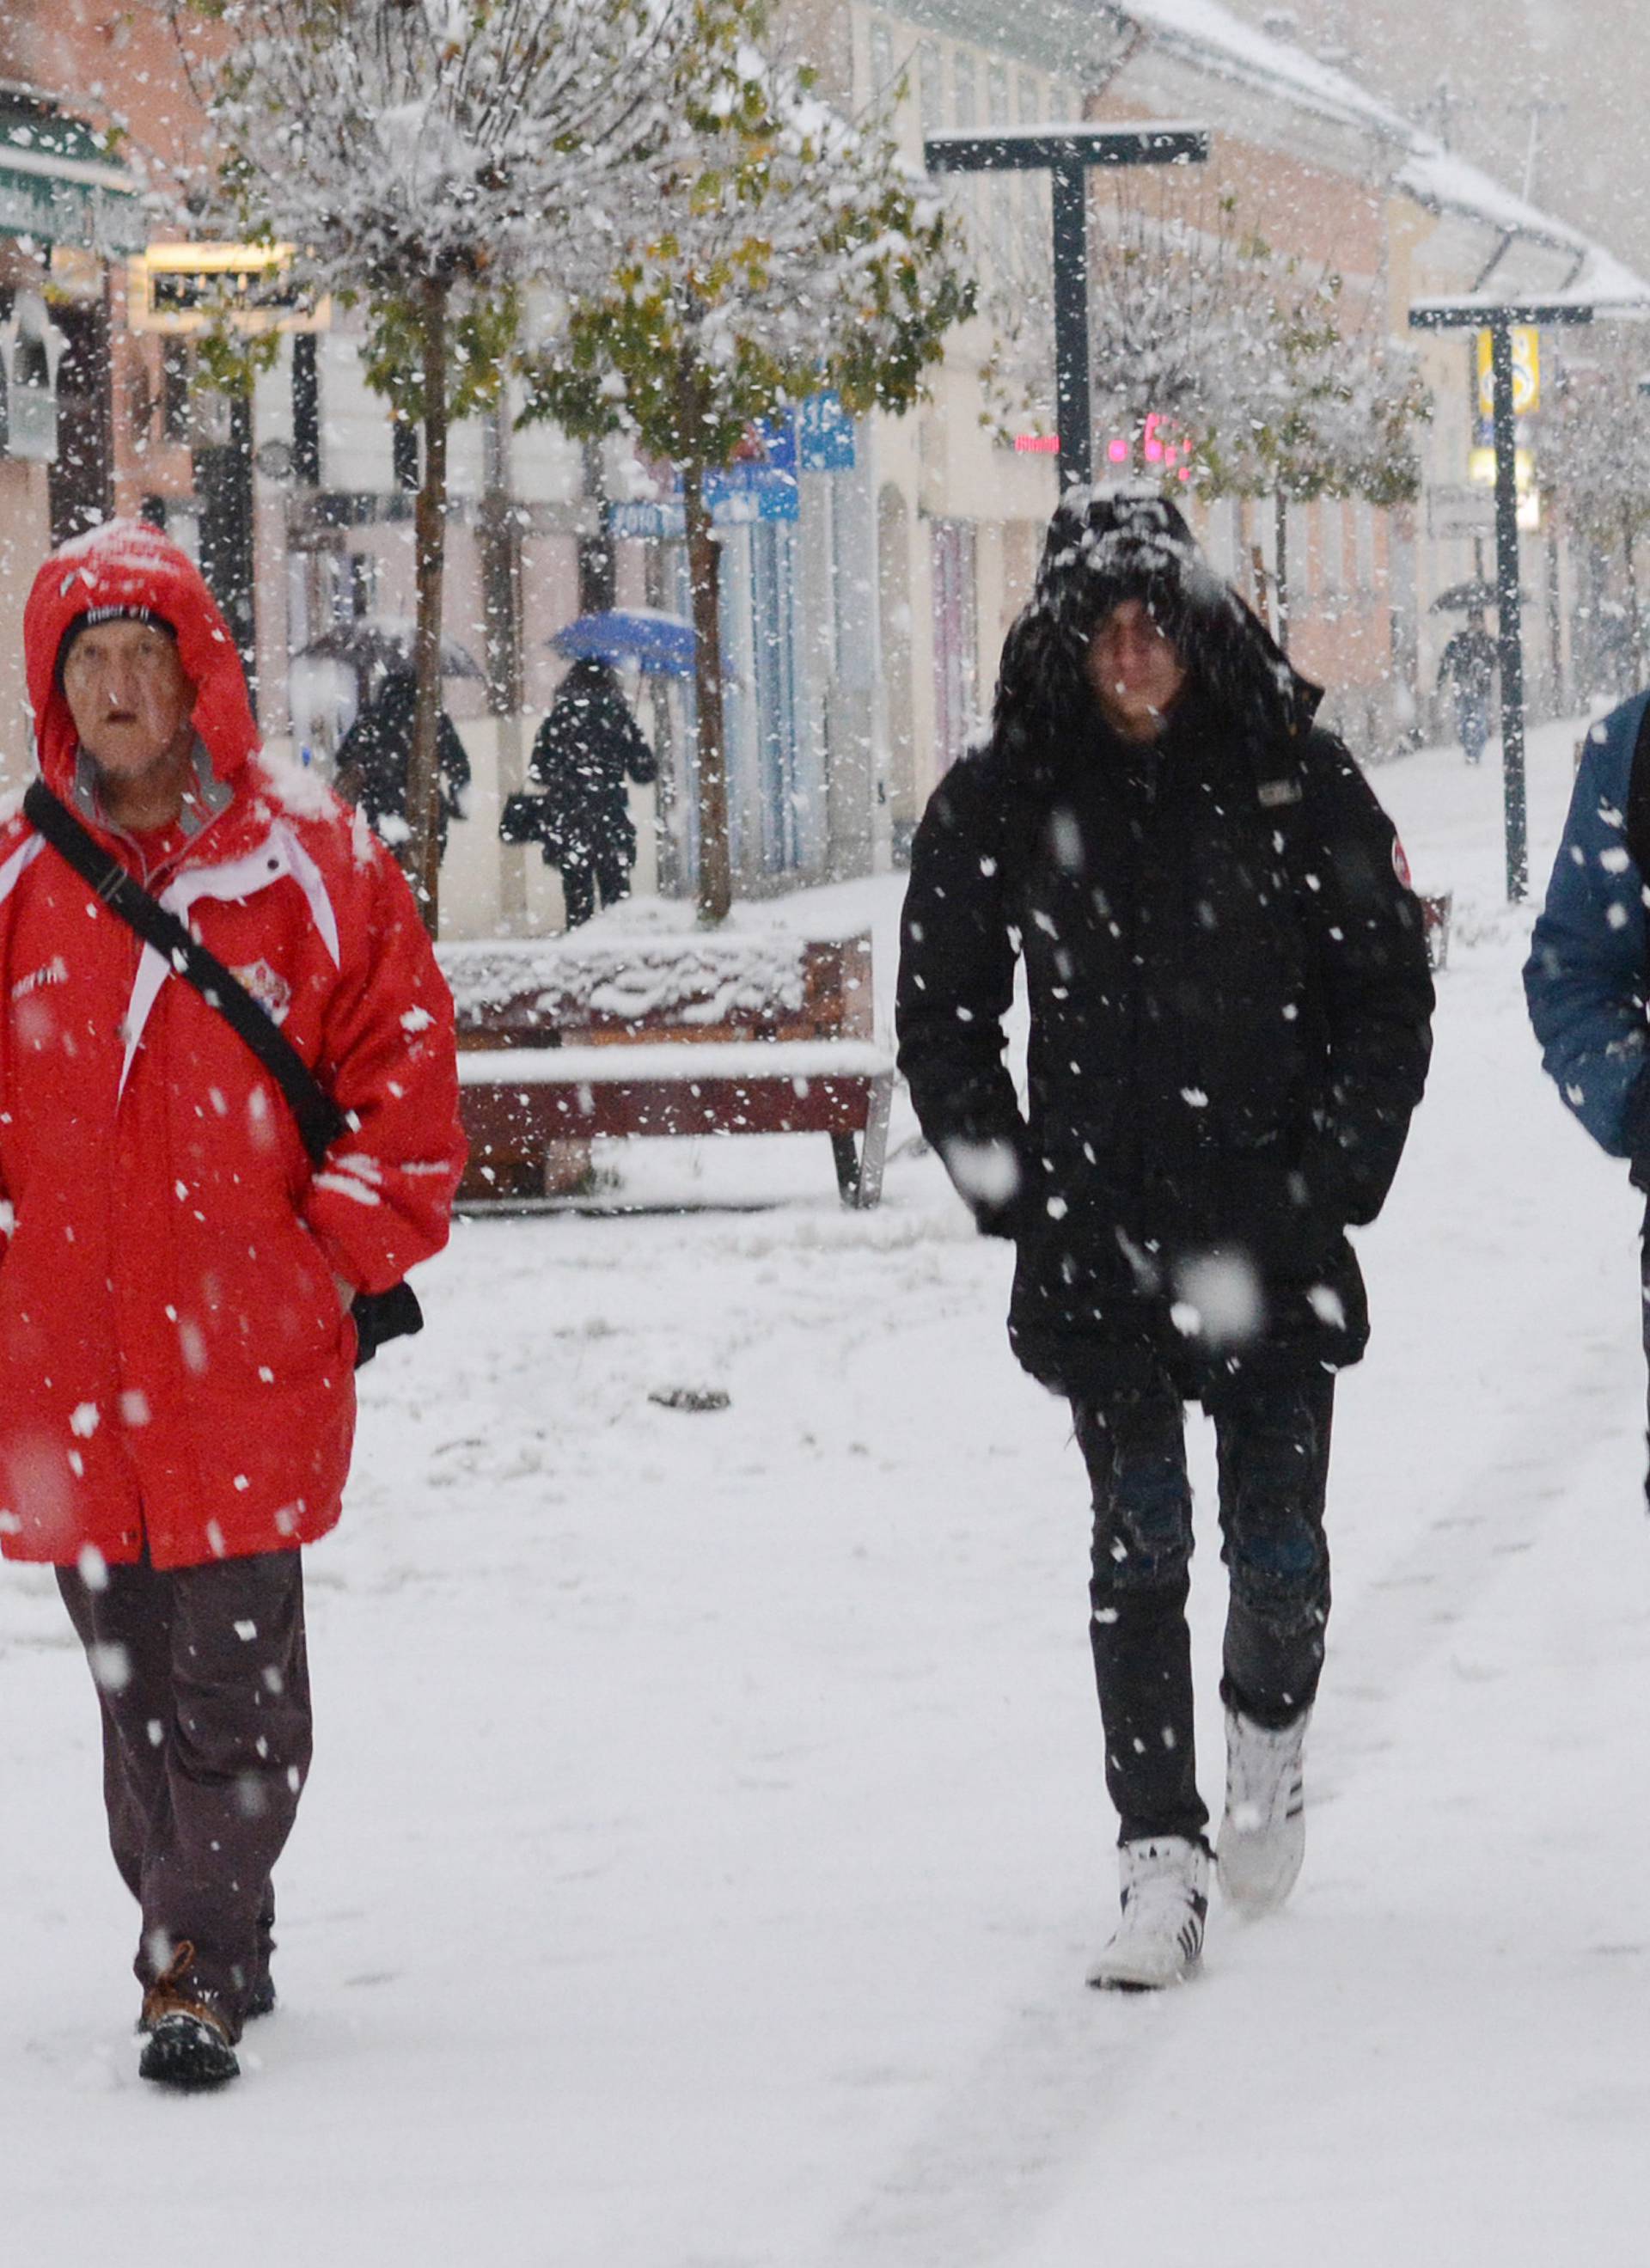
(740, 1062)
(563, 1041)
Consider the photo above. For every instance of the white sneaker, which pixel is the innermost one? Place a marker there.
(1263, 1835)
(1164, 1898)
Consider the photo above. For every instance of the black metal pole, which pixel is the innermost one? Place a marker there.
(223, 480)
(306, 410)
(1469, 313)
(1073, 419)
(1511, 628)
(1066, 153)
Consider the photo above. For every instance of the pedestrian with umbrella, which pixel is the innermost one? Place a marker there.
(575, 805)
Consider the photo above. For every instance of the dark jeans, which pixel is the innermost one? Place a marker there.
(1472, 727)
(204, 1686)
(606, 870)
(1272, 1438)
(1644, 1268)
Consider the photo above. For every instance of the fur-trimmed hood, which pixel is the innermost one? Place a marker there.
(1101, 549)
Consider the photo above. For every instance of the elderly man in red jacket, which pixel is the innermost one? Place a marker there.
(177, 1400)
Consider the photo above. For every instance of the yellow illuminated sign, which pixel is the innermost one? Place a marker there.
(1481, 472)
(181, 289)
(1525, 345)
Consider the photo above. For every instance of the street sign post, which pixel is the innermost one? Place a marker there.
(1065, 153)
(1501, 320)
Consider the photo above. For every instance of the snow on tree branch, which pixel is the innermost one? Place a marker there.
(1595, 436)
(787, 249)
(1258, 364)
(790, 248)
(479, 142)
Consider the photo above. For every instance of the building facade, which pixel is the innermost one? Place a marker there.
(867, 599)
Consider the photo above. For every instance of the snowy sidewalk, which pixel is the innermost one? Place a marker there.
(706, 1835)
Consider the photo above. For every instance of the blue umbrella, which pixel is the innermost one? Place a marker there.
(661, 644)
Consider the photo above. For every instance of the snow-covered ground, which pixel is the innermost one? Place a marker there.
(707, 1834)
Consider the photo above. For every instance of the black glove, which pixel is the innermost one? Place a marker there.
(381, 1316)
(1009, 1220)
(990, 1172)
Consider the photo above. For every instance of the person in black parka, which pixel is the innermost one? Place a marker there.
(373, 756)
(1466, 669)
(1230, 1014)
(587, 748)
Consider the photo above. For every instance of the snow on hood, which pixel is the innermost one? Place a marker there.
(1103, 546)
(126, 563)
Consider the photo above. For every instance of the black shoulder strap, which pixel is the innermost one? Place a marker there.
(319, 1120)
(1639, 800)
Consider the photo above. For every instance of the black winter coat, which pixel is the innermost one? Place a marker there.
(1229, 1030)
(583, 752)
(375, 754)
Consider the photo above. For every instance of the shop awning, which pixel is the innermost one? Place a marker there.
(59, 185)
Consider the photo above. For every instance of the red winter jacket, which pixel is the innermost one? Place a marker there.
(175, 1367)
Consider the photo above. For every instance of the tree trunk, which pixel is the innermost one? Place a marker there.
(715, 890)
(1280, 567)
(421, 855)
(1635, 624)
(500, 535)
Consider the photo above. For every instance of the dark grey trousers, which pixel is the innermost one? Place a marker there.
(203, 1685)
(1272, 1439)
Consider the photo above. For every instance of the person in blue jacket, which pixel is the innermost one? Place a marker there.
(1585, 979)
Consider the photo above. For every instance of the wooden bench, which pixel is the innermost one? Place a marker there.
(562, 1040)
(1436, 912)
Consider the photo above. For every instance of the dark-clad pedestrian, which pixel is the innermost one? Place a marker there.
(188, 1275)
(375, 756)
(1229, 1028)
(586, 748)
(1467, 670)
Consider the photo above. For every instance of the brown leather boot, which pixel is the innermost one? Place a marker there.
(188, 2044)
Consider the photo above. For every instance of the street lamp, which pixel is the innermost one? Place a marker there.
(1065, 153)
(1500, 318)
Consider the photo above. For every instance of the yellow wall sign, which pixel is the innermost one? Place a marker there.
(1481, 472)
(181, 288)
(1526, 372)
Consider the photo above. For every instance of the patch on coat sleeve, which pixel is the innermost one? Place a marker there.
(55, 971)
(1400, 863)
(268, 987)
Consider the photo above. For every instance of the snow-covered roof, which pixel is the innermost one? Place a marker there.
(1209, 35)
(1210, 38)
(1448, 183)
(1215, 38)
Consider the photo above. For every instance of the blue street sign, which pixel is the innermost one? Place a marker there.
(761, 484)
(825, 435)
(817, 437)
(737, 498)
(746, 492)
(646, 522)
(778, 437)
